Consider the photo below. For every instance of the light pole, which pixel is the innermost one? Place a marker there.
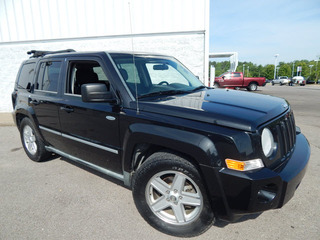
(243, 68)
(310, 66)
(292, 69)
(248, 72)
(277, 71)
(275, 65)
(317, 68)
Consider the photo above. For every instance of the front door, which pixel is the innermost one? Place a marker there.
(90, 131)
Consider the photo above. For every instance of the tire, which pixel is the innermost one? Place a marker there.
(32, 142)
(252, 87)
(216, 85)
(281, 83)
(161, 187)
(272, 83)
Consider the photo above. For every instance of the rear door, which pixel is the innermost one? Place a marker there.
(90, 131)
(45, 97)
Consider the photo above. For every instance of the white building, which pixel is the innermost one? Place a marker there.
(179, 28)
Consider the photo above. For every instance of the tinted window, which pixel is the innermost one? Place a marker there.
(26, 76)
(49, 76)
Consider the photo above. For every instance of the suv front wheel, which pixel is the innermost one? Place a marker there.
(32, 142)
(170, 196)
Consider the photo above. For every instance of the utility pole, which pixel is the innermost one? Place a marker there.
(243, 68)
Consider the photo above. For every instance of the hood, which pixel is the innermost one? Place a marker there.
(229, 108)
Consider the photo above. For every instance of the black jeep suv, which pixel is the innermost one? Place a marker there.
(190, 154)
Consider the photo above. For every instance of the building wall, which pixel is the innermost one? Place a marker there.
(23, 20)
(174, 27)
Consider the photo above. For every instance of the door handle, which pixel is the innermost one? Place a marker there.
(34, 102)
(67, 109)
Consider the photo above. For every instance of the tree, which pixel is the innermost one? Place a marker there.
(268, 71)
(284, 70)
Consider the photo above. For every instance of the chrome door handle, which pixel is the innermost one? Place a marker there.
(110, 118)
(67, 109)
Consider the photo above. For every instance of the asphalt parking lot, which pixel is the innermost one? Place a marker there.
(61, 200)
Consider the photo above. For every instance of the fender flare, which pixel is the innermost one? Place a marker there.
(195, 145)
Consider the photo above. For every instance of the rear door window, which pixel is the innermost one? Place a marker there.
(48, 76)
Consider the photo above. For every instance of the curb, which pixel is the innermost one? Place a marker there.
(6, 119)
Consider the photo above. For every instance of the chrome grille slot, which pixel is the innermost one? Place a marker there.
(284, 133)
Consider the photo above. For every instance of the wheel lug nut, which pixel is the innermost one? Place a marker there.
(168, 191)
(175, 191)
(180, 197)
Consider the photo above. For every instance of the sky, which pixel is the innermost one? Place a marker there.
(259, 29)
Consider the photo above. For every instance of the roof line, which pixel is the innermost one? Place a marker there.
(105, 37)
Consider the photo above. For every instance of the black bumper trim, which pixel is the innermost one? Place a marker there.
(238, 191)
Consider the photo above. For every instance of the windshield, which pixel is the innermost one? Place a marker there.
(152, 76)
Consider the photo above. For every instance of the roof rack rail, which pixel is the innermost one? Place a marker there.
(39, 53)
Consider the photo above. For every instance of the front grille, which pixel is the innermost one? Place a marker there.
(284, 133)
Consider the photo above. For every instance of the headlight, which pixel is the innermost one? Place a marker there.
(267, 142)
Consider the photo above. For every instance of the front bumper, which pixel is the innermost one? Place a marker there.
(235, 194)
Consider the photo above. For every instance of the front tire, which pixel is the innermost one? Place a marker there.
(170, 196)
(32, 142)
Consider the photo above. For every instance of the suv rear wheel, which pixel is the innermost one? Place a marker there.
(32, 142)
(170, 196)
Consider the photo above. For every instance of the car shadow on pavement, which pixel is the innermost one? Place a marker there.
(221, 224)
(95, 172)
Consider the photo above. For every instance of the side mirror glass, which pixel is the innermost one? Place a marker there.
(96, 92)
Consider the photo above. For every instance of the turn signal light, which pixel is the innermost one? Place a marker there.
(244, 165)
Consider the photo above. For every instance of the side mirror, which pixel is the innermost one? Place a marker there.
(223, 77)
(96, 92)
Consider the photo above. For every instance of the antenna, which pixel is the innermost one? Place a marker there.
(133, 59)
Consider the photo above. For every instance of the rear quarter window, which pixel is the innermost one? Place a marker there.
(26, 76)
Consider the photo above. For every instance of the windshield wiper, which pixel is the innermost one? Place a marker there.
(198, 88)
(165, 93)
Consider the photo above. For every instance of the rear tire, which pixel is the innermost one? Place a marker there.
(169, 194)
(272, 83)
(32, 142)
(252, 87)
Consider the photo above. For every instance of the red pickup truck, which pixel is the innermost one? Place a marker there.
(236, 80)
